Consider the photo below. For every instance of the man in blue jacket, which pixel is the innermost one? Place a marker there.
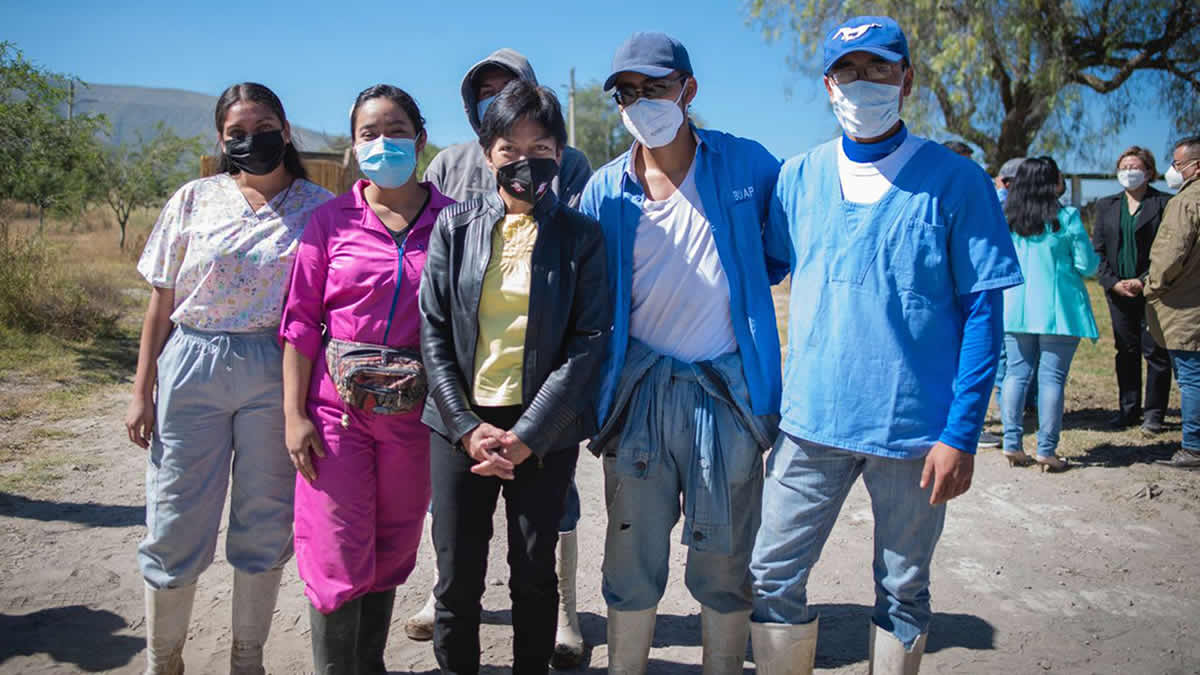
(691, 392)
(894, 329)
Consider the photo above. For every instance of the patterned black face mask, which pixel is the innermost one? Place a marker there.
(527, 179)
(257, 154)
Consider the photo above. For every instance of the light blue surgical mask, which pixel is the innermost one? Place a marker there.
(482, 106)
(1002, 194)
(387, 162)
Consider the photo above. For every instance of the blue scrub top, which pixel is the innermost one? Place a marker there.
(876, 311)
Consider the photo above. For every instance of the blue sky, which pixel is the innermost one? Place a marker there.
(318, 55)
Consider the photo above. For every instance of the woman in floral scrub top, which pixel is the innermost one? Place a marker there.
(208, 394)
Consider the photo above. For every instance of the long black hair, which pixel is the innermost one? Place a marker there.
(1032, 201)
(257, 93)
(395, 95)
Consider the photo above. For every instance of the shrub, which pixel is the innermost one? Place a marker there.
(40, 292)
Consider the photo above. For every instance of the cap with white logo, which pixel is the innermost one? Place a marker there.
(879, 35)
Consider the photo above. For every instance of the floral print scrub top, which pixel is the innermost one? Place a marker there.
(229, 265)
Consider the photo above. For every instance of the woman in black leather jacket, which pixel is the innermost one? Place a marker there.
(516, 317)
(1126, 224)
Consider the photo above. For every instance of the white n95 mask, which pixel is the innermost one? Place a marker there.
(1131, 179)
(1174, 178)
(653, 121)
(866, 109)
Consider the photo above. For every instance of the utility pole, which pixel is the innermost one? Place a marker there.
(71, 100)
(571, 110)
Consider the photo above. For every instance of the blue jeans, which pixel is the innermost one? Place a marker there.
(684, 449)
(805, 487)
(1051, 355)
(1187, 374)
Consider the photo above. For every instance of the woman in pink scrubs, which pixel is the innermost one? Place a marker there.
(363, 484)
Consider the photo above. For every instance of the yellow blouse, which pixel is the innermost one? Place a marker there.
(504, 312)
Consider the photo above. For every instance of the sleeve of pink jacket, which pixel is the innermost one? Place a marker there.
(304, 311)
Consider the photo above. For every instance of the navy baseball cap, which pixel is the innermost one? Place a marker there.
(651, 54)
(879, 35)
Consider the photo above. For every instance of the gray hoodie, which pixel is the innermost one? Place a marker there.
(460, 171)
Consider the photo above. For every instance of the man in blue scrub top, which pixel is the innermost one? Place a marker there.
(690, 397)
(900, 256)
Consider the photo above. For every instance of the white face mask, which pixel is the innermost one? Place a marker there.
(866, 109)
(654, 122)
(1131, 179)
(1174, 178)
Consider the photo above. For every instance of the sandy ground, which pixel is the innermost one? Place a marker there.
(1091, 571)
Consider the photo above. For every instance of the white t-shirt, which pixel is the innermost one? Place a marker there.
(680, 298)
(866, 182)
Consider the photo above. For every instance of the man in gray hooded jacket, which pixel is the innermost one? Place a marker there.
(461, 173)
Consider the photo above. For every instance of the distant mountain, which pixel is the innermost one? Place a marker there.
(136, 110)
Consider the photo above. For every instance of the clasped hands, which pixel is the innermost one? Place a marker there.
(1129, 288)
(496, 451)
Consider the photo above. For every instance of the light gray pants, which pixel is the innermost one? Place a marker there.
(219, 412)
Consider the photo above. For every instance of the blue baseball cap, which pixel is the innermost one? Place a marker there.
(651, 54)
(879, 35)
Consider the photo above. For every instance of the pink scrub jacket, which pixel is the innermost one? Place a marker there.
(359, 523)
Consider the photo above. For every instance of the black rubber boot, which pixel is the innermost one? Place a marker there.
(373, 631)
(335, 638)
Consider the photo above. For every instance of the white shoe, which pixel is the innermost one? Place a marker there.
(889, 657)
(568, 641)
(168, 611)
(724, 638)
(629, 637)
(419, 626)
(254, 597)
(784, 649)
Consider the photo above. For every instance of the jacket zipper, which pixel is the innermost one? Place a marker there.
(399, 283)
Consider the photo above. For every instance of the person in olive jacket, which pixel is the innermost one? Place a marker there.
(1126, 224)
(516, 319)
(1173, 293)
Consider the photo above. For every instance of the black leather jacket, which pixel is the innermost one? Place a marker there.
(1106, 233)
(566, 338)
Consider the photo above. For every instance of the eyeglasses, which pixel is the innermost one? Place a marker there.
(872, 72)
(659, 88)
(1180, 165)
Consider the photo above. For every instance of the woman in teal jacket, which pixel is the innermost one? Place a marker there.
(1045, 317)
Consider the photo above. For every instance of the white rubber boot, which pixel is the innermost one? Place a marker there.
(629, 637)
(724, 638)
(419, 626)
(889, 657)
(254, 597)
(568, 641)
(784, 649)
(168, 611)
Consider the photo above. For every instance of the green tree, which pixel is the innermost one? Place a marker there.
(142, 175)
(1012, 75)
(427, 154)
(45, 159)
(599, 132)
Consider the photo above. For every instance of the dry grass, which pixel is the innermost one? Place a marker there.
(1091, 399)
(51, 362)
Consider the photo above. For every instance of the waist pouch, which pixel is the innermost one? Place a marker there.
(374, 378)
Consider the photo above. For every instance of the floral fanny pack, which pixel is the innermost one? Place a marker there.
(378, 379)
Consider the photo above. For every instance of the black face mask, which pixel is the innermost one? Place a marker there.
(527, 179)
(257, 154)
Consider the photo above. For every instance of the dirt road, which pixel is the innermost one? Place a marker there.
(1091, 571)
